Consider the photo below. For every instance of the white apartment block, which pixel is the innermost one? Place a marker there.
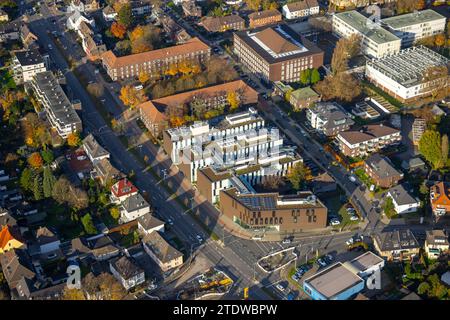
(239, 141)
(376, 42)
(401, 75)
(413, 26)
(26, 64)
(59, 110)
(300, 9)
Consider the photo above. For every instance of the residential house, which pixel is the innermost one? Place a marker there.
(105, 172)
(10, 31)
(414, 165)
(381, 170)
(140, 7)
(133, 207)
(440, 198)
(93, 149)
(149, 223)
(224, 23)
(324, 183)
(121, 190)
(328, 118)
(127, 272)
(166, 256)
(368, 139)
(103, 248)
(26, 64)
(16, 264)
(264, 18)
(28, 38)
(153, 111)
(47, 240)
(436, 243)
(300, 9)
(109, 14)
(191, 9)
(33, 289)
(396, 245)
(78, 250)
(174, 30)
(6, 219)
(402, 200)
(84, 5)
(10, 239)
(74, 21)
(3, 16)
(303, 98)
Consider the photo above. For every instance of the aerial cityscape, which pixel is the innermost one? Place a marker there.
(224, 150)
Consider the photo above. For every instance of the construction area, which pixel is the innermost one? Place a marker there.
(211, 283)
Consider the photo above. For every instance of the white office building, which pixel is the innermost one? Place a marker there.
(413, 26)
(376, 42)
(402, 74)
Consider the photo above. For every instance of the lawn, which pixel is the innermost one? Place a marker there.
(59, 218)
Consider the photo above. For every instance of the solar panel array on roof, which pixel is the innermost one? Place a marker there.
(259, 203)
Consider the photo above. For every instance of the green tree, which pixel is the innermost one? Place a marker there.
(423, 288)
(305, 76)
(315, 76)
(388, 207)
(37, 187)
(26, 179)
(430, 148)
(47, 156)
(297, 174)
(49, 182)
(88, 224)
(444, 150)
(125, 16)
(115, 213)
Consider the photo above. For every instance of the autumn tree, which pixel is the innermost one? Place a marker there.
(95, 89)
(114, 212)
(439, 40)
(73, 139)
(297, 175)
(132, 97)
(343, 87)
(253, 4)
(48, 182)
(345, 49)
(103, 287)
(72, 294)
(35, 160)
(64, 193)
(144, 38)
(233, 100)
(118, 30)
(405, 6)
(144, 77)
(273, 183)
(437, 79)
(35, 131)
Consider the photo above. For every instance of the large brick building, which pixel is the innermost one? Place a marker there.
(287, 214)
(222, 24)
(382, 171)
(276, 53)
(153, 112)
(264, 18)
(154, 61)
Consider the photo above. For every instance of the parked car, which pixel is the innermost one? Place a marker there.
(280, 287)
(352, 178)
(349, 242)
(354, 218)
(199, 238)
(335, 222)
(321, 263)
(170, 221)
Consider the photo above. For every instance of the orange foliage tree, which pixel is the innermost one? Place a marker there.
(118, 30)
(132, 97)
(439, 40)
(73, 139)
(35, 160)
(144, 76)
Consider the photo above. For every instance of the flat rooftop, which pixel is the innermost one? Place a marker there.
(58, 101)
(413, 18)
(362, 24)
(409, 65)
(366, 261)
(277, 44)
(333, 280)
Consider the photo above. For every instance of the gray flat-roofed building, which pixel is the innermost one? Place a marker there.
(25, 64)
(59, 110)
(367, 263)
(336, 282)
(402, 75)
(413, 26)
(375, 41)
